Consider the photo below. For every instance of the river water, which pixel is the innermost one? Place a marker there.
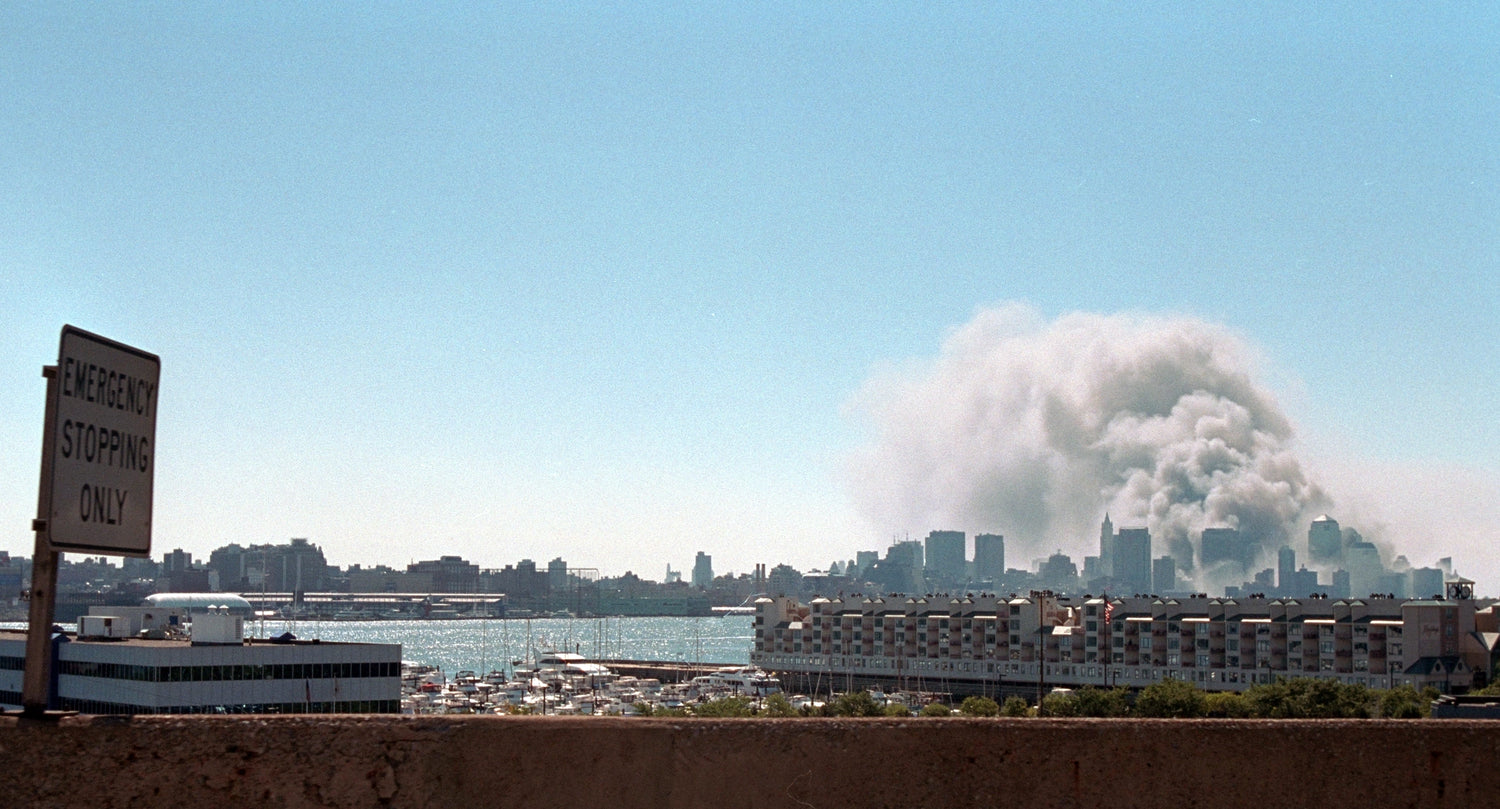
(482, 645)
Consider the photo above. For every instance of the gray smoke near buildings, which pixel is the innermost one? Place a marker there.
(1035, 429)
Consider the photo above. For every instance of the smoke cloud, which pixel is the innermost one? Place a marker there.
(1036, 429)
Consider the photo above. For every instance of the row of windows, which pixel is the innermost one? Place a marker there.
(92, 706)
(195, 674)
(1118, 622)
(1127, 675)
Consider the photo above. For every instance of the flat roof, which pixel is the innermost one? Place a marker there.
(176, 643)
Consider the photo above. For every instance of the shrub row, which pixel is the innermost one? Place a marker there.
(1301, 698)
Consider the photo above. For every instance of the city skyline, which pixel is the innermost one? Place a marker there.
(624, 285)
(1226, 562)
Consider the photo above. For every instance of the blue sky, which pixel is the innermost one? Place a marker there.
(601, 281)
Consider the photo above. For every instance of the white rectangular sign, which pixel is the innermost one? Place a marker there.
(104, 446)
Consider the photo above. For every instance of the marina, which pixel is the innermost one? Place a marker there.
(532, 665)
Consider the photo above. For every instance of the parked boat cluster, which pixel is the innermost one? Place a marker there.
(568, 684)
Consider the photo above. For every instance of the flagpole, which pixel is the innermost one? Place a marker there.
(1109, 649)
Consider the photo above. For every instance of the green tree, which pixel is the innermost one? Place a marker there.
(1227, 705)
(936, 709)
(1015, 706)
(979, 706)
(1060, 703)
(896, 709)
(1309, 698)
(724, 707)
(1093, 701)
(1170, 699)
(1404, 702)
(858, 703)
(1491, 690)
(777, 706)
(1271, 700)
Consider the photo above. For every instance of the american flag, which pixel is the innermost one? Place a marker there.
(1109, 610)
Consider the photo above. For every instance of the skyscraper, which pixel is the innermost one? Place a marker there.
(1286, 570)
(1219, 546)
(1132, 563)
(1426, 582)
(1365, 568)
(1325, 543)
(989, 556)
(1164, 574)
(703, 570)
(945, 555)
(1107, 548)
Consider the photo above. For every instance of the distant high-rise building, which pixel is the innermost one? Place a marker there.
(177, 561)
(1341, 582)
(1426, 582)
(1303, 584)
(1325, 543)
(1058, 572)
(989, 556)
(1365, 569)
(784, 580)
(1286, 570)
(901, 569)
(1220, 547)
(1132, 563)
(864, 560)
(1394, 584)
(1106, 548)
(945, 555)
(446, 574)
(907, 552)
(703, 570)
(557, 575)
(1164, 574)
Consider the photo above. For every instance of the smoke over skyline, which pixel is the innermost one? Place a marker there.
(1036, 429)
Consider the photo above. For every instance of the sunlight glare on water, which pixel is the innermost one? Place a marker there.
(483, 645)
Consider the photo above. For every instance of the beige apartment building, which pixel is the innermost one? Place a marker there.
(986, 643)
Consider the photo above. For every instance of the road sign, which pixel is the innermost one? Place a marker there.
(103, 457)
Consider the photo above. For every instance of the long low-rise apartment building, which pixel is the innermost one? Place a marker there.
(989, 644)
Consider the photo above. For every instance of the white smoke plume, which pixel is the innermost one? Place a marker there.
(1036, 429)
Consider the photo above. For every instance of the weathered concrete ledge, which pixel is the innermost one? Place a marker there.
(223, 762)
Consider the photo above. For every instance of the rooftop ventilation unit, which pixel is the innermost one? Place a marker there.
(216, 626)
(108, 627)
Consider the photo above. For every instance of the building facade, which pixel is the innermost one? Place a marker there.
(177, 676)
(976, 644)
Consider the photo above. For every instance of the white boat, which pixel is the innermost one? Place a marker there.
(746, 681)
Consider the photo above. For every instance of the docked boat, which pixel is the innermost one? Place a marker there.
(745, 681)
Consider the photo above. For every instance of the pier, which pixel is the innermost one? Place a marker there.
(664, 670)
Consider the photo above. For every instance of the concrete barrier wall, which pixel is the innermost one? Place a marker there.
(584, 763)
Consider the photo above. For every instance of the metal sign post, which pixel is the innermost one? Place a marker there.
(98, 469)
(43, 574)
